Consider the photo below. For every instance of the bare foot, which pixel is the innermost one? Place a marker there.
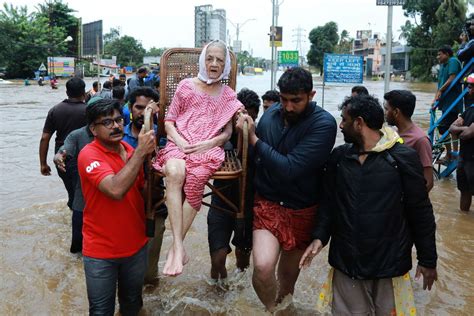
(169, 258)
(175, 261)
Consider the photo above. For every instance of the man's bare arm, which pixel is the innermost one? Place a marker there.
(43, 154)
(117, 185)
(467, 133)
(445, 86)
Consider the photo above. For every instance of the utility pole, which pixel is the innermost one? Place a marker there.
(300, 38)
(272, 37)
(275, 13)
(388, 51)
(229, 39)
(98, 59)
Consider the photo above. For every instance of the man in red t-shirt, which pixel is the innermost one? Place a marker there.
(399, 107)
(114, 245)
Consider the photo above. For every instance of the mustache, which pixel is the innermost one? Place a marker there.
(116, 131)
(291, 117)
(138, 122)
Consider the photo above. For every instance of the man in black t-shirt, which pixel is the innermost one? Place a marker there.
(221, 225)
(63, 118)
(464, 127)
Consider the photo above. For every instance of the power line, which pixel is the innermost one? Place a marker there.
(299, 36)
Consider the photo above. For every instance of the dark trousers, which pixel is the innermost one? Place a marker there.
(103, 276)
(69, 185)
(76, 241)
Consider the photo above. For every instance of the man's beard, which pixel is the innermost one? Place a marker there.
(351, 138)
(291, 117)
(390, 121)
(138, 122)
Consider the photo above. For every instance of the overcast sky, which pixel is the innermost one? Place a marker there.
(170, 23)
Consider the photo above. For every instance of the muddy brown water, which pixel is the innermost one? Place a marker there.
(38, 275)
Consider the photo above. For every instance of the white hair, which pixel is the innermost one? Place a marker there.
(203, 75)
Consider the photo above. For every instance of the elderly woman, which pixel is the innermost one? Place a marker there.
(198, 123)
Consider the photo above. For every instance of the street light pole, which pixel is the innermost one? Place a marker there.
(67, 39)
(238, 26)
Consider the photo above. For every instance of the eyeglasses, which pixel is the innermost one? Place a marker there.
(109, 123)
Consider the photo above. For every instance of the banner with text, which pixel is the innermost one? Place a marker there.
(61, 66)
(343, 68)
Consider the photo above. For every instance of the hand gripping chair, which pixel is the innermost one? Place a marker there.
(177, 64)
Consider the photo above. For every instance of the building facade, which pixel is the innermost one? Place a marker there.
(209, 25)
(369, 46)
(400, 59)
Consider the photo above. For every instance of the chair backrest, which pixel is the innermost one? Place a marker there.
(177, 64)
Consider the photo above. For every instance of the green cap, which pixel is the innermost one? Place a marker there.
(94, 100)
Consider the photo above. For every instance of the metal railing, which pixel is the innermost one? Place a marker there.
(437, 142)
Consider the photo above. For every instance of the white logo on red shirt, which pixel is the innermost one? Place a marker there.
(93, 165)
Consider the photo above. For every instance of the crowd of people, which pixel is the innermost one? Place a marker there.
(368, 198)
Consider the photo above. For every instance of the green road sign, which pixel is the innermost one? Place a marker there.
(288, 58)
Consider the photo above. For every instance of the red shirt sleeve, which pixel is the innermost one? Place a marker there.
(423, 147)
(92, 166)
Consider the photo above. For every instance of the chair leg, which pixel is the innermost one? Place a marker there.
(223, 197)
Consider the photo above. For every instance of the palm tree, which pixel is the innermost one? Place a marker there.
(453, 8)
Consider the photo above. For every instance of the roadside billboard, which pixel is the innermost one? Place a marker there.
(61, 66)
(90, 33)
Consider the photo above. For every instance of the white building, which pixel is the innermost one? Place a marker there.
(209, 25)
(151, 60)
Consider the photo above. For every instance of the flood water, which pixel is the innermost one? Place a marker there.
(38, 275)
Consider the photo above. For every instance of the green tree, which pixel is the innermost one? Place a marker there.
(128, 50)
(245, 59)
(345, 43)
(60, 15)
(113, 35)
(26, 40)
(437, 23)
(323, 40)
(155, 51)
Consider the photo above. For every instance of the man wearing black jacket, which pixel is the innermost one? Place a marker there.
(375, 207)
(292, 143)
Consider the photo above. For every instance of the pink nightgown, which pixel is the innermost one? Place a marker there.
(198, 117)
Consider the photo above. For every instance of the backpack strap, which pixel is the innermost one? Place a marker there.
(393, 162)
(389, 158)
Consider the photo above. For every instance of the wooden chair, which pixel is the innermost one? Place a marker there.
(177, 64)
